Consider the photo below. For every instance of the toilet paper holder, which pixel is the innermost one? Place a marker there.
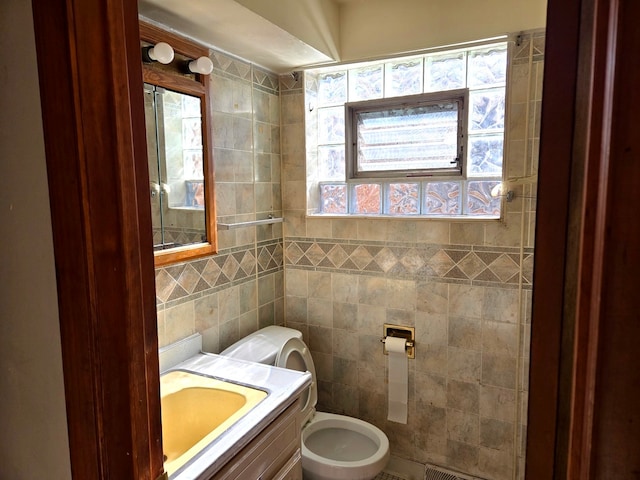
(400, 331)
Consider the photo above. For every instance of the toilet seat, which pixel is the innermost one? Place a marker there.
(295, 355)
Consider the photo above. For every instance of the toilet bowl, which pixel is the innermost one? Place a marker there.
(334, 447)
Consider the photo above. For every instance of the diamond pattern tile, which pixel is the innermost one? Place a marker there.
(504, 267)
(337, 256)
(393, 261)
(315, 254)
(385, 259)
(441, 263)
(189, 278)
(471, 265)
(412, 261)
(231, 267)
(211, 272)
(361, 257)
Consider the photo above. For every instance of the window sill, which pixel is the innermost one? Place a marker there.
(447, 218)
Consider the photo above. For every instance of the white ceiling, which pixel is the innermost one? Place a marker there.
(229, 26)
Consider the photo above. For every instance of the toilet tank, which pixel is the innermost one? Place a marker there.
(261, 346)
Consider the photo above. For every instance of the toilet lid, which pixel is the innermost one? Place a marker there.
(295, 355)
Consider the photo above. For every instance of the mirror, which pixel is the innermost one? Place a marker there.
(179, 152)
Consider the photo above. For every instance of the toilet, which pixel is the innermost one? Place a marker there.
(334, 447)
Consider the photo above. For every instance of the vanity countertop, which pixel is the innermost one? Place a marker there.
(282, 386)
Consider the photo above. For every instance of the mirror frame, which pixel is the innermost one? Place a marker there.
(197, 86)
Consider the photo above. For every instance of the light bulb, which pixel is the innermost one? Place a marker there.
(202, 65)
(161, 52)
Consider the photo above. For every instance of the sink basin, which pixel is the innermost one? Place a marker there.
(196, 409)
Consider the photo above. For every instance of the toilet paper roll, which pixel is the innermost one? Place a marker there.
(398, 379)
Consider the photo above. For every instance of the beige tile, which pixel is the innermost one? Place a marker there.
(401, 231)
(323, 363)
(497, 403)
(404, 318)
(431, 358)
(466, 301)
(319, 227)
(506, 233)
(320, 339)
(319, 312)
(464, 364)
(345, 344)
(345, 316)
(210, 340)
(372, 290)
(496, 434)
(179, 322)
(432, 419)
(461, 456)
(248, 293)
(372, 229)
(345, 399)
(431, 389)
(433, 231)
(345, 371)
(248, 323)
(229, 333)
(500, 338)
(296, 309)
(465, 333)
(344, 288)
(519, 83)
(463, 427)
(501, 304)
(206, 312)
(370, 319)
(495, 464)
(296, 282)
(320, 285)
(346, 229)
(499, 370)
(401, 294)
(229, 304)
(463, 396)
(471, 233)
(432, 297)
(431, 329)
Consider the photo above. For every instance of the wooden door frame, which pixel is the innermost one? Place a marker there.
(91, 91)
(89, 66)
(584, 419)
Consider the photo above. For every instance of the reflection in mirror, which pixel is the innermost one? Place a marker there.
(179, 149)
(176, 174)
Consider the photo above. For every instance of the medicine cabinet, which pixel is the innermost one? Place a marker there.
(179, 149)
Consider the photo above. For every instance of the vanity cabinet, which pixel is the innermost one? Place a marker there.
(274, 454)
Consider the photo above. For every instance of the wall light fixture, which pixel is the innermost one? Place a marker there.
(161, 52)
(202, 65)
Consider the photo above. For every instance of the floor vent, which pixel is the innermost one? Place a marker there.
(435, 474)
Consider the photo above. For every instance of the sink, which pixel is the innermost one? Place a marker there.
(196, 409)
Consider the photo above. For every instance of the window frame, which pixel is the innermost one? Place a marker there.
(352, 109)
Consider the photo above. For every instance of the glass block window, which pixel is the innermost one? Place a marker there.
(423, 147)
(367, 198)
(333, 198)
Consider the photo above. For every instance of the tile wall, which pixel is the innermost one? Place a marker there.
(241, 289)
(465, 286)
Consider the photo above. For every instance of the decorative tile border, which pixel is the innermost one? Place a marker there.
(451, 263)
(236, 265)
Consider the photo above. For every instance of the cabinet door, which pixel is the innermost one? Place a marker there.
(292, 470)
(268, 453)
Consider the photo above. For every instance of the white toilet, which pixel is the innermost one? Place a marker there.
(334, 447)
